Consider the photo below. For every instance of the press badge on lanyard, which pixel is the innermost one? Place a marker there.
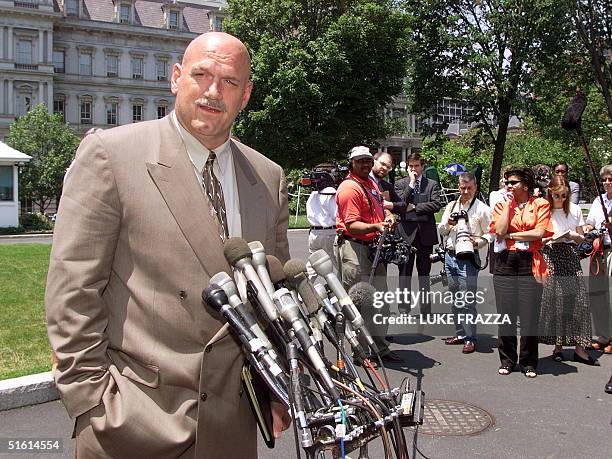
(521, 245)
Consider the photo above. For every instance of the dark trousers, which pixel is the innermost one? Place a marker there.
(423, 265)
(517, 294)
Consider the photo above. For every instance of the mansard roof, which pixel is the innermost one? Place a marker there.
(149, 13)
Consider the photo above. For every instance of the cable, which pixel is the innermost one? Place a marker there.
(383, 430)
(295, 432)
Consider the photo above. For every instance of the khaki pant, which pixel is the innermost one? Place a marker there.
(355, 266)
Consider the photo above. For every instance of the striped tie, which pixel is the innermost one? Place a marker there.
(213, 189)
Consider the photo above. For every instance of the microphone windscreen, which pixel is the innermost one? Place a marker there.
(293, 268)
(572, 117)
(362, 295)
(275, 268)
(235, 249)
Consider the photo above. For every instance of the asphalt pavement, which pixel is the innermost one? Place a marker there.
(563, 413)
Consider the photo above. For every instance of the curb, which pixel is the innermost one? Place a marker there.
(25, 236)
(27, 390)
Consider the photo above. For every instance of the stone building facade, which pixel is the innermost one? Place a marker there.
(100, 63)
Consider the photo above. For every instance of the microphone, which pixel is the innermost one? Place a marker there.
(291, 314)
(322, 264)
(259, 262)
(277, 274)
(238, 254)
(297, 278)
(572, 118)
(225, 282)
(333, 312)
(257, 354)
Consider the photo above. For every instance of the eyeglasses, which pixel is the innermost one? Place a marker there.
(512, 182)
(560, 171)
(607, 179)
(559, 196)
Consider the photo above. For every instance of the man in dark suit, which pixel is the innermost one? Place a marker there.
(418, 225)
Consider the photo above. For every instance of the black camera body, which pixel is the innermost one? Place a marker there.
(324, 175)
(585, 248)
(438, 254)
(437, 278)
(461, 215)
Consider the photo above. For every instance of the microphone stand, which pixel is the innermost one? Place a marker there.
(593, 173)
(379, 246)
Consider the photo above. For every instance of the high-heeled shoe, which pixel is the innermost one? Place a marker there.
(590, 361)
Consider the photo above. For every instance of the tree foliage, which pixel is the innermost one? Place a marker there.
(481, 52)
(322, 72)
(52, 144)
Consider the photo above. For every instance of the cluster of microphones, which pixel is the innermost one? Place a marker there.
(285, 322)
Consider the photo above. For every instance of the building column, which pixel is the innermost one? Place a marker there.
(404, 154)
(11, 98)
(10, 44)
(41, 38)
(50, 47)
(1, 42)
(41, 93)
(384, 149)
(50, 96)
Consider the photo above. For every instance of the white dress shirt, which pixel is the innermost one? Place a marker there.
(321, 207)
(223, 168)
(596, 216)
(479, 216)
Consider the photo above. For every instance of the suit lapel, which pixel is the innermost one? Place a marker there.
(175, 179)
(253, 208)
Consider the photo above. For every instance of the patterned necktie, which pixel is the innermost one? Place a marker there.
(417, 186)
(213, 189)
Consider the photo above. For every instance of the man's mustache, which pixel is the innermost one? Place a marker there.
(211, 103)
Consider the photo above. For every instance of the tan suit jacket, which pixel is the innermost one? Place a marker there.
(133, 247)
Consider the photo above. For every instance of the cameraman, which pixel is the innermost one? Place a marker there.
(321, 215)
(360, 217)
(462, 266)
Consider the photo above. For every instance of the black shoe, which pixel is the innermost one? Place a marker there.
(391, 357)
(608, 387)
(589, 361)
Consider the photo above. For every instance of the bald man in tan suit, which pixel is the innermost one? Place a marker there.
(142, 365)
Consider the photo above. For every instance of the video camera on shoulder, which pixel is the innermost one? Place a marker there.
(324, 175)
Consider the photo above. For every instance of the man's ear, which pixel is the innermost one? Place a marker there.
(246, 95)
(177, 71)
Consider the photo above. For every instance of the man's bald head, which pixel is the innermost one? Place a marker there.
(212, 85)
(220, 43)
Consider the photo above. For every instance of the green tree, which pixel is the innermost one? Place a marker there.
(52, 144)
(322, 72)
(481, 52)
(592, 20)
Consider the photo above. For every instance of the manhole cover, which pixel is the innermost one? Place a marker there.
(450, 418)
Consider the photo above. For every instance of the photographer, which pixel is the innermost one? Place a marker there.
(321, 215)
(465, 221)
(599, 288)
(599, 267)
(360, 217)
(542, 179)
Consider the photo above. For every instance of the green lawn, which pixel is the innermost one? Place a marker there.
(24, 348)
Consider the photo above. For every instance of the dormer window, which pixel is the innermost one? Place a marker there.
(173, 19)
(125, 14)
(72, 7)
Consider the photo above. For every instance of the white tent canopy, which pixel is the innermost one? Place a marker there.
(8, 154)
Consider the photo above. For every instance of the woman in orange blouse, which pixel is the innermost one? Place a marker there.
(519, 223)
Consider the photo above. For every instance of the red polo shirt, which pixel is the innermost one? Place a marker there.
(353, 205)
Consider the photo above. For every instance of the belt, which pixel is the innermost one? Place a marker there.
(322, 227)
(358, 241)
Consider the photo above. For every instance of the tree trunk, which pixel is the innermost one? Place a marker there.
(498, 154)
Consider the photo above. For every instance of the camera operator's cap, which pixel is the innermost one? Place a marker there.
(359, 152)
